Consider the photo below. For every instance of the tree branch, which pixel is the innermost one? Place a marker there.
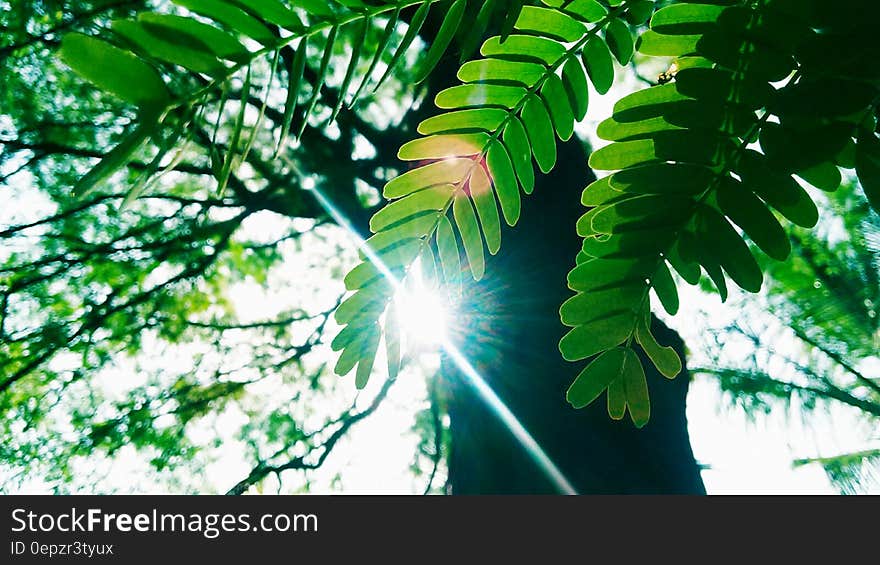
(262, 470)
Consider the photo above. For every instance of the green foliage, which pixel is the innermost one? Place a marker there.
(204, 59)
(687, 169)
(700, 168)
(810, 340)
(120, 336)
(526, 91)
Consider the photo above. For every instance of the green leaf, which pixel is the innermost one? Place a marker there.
(412, 31)
(321, 78)
(358, 46)
(665, 359)
(576, 88)
(722, 85)
(274, 12)
(599, 192)
(382, 47)
(824, 176)
(586, 307)
(687, 269)
(517, 142)
(394, 258)
(550, 23)
(730, 250)
(118, 157)
(235, 137)
(777, 189)
(501, 172)
(368, 357)
(659, 45)
(114, 70)
(823, 97)
(513, 11)
(636, 385)
(600, 67)
(448, 171)
(356, 349)
(799, 149)
(221, 43)
(524, 47)
(616, 399)
(368, 299)
(391, 240)
(598, 336)
(444, 146)
(664, 287)
(481, 119)
(392, 340)
(174, 49)
(663, 178)
(441, 41)
(684, 19)
(466, 220)
(447, 250)
(620, 40)
(556, 99)
(476, 33)
(352, 334)
(632, 213)
(748, 212)
(638, 11)
(710, 262)
(232, 17)
(480, 190)
(596, 377)
(480, 94)
(684, 146)
(599, 274)
(319, 8)
(488, 70)
(295, 74)
(540, 131)
(628, 245)
(654, 96)
(587, 10)
(432, 199)
(726, 50)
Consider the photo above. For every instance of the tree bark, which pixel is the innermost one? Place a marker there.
(509, 331)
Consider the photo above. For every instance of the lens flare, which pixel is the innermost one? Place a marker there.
(424, 319)
(424, 308)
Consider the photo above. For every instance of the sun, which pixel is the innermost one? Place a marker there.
(423, 313)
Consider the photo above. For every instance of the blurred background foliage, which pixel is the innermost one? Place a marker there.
(816, 339)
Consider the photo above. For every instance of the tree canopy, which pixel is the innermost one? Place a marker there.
(187, 126)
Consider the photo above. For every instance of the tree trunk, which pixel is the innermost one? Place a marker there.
(509, 331)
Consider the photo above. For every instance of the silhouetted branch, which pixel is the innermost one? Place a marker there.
(262, 470)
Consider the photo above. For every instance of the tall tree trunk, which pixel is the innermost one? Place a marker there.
(510, 330)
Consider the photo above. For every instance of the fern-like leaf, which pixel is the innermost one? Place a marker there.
(528, 89)
(205, 57)
(687, 172)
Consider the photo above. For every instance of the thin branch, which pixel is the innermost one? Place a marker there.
(300, 463)
(837, 359)
(832, 392)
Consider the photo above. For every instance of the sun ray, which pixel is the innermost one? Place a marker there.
(423, 310)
